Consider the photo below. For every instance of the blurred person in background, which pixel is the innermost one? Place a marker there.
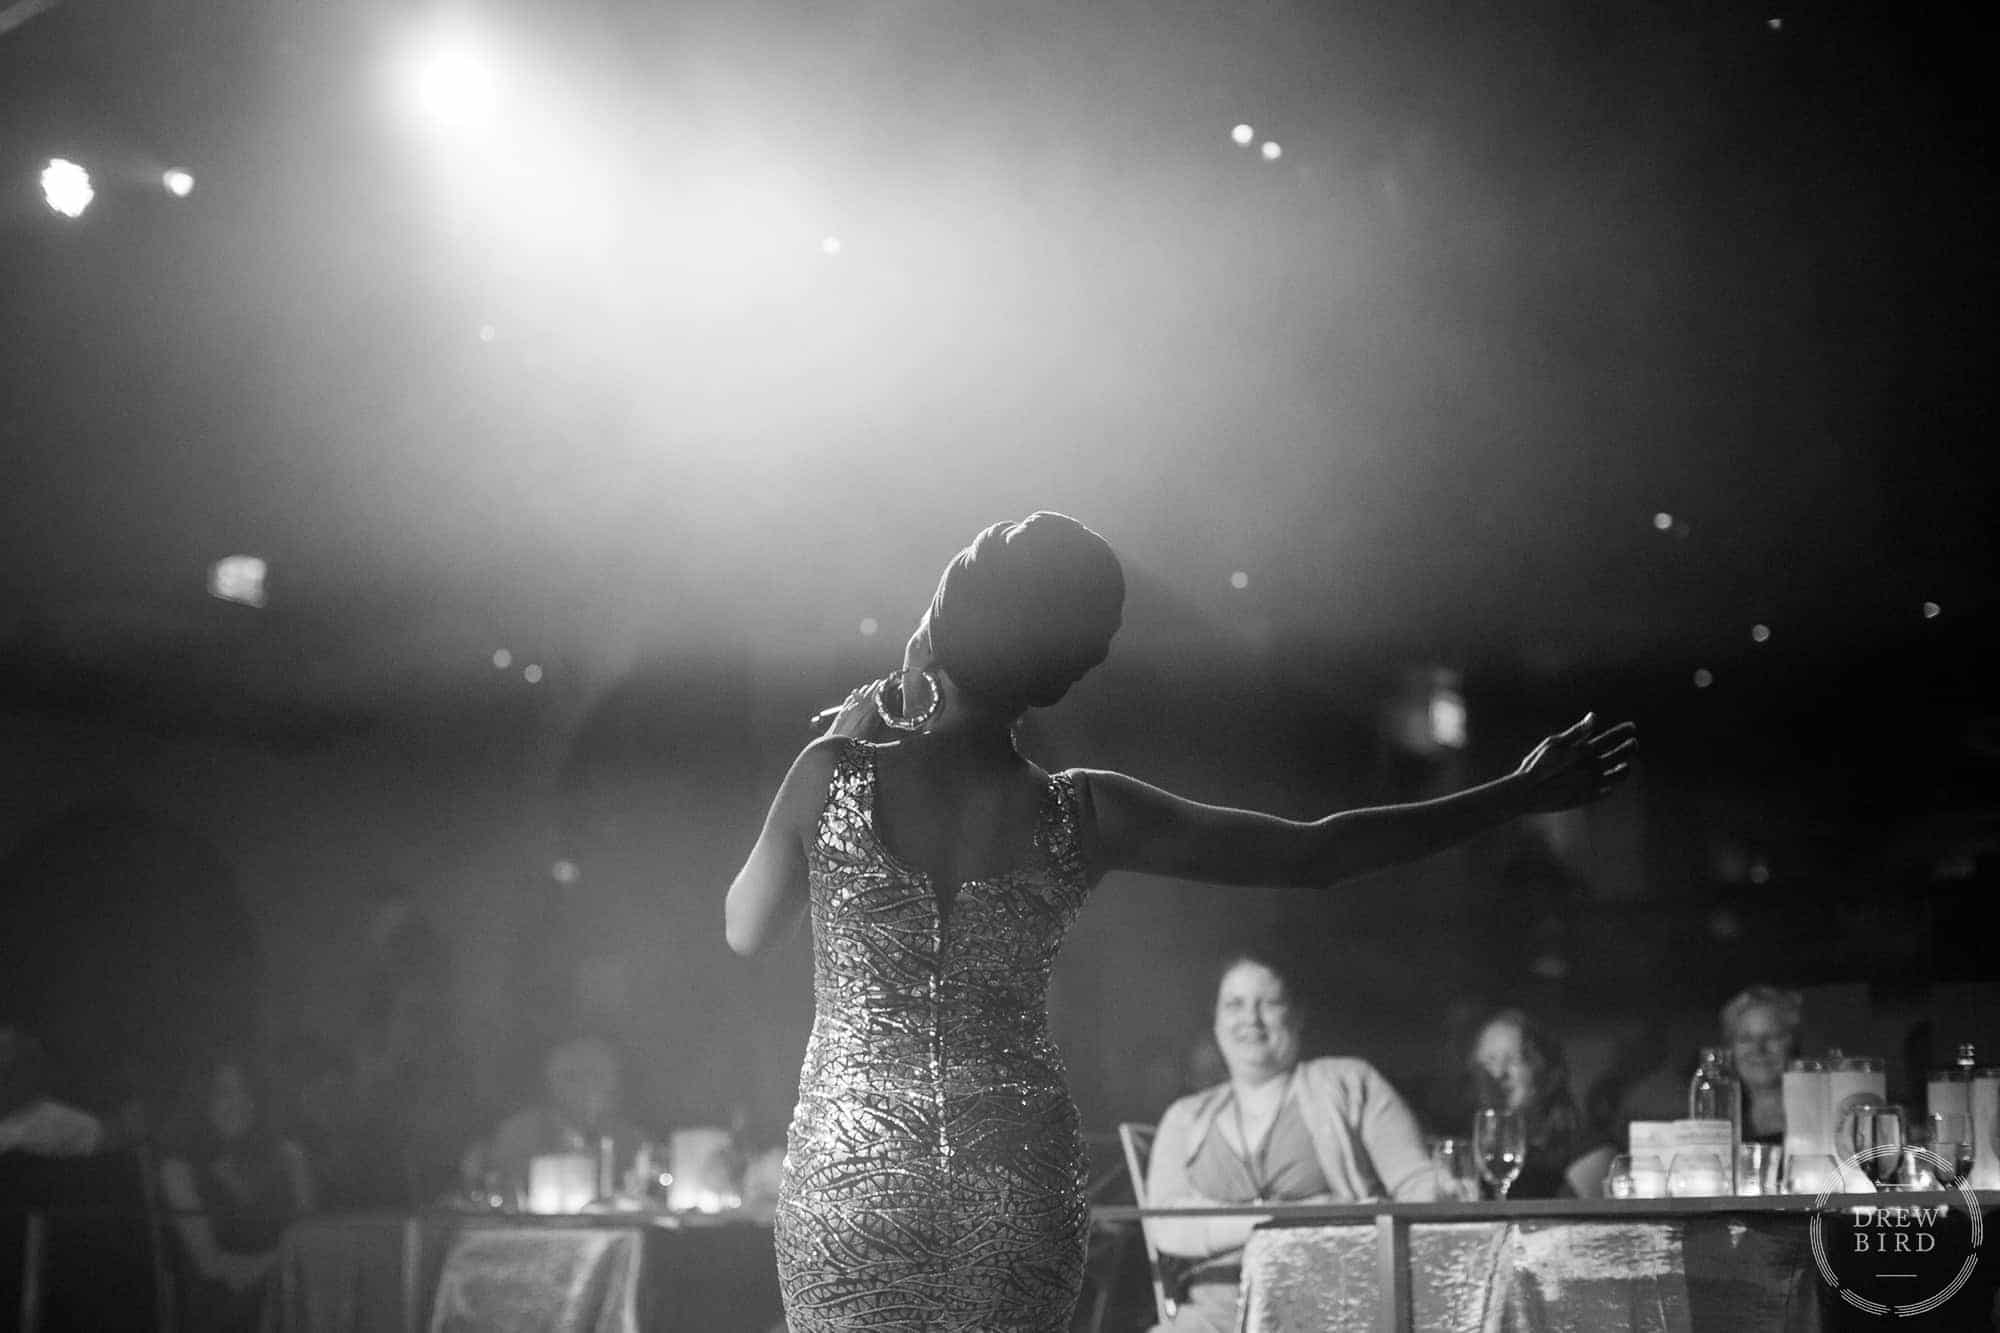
(314, 1108)
(233, 1185)
(1760, 1027)
(1277, 1130)
(1517, 1064)
(413, 1095)
(583, 1091)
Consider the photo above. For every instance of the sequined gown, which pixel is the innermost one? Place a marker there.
(934, 1176)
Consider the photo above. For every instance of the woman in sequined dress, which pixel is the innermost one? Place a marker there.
(934, 1174)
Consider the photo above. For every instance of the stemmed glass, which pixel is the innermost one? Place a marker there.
(1948, 1134)
(1500, 1141)
(1873, 1135)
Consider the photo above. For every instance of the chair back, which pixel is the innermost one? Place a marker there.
(1137, 1141)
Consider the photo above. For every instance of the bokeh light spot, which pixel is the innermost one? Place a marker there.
(179, 183)
(1243, 134)
(1703, 678)
(1931, 610)
(565, 872)
(238, 578)
(868, 626)
(1239, 580)
(1760, 633)
(502, 659)
(66, 186)
(1663, 520)
(830, 246)
(1272, 152)
(532, 674)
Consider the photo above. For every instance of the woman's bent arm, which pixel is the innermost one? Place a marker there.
(769, 892)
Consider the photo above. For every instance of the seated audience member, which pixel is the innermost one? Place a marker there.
(1518, 1064)
(583, 1087)
(233, 1185)
(316, 1110)
(31, 1121)
(1277, 1130)
(1761, 1029)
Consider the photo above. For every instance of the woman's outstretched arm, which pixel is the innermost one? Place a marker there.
(769, 892)
(1140, 827)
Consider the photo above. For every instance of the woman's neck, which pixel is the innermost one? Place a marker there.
(982, 738)
(1258, 1085)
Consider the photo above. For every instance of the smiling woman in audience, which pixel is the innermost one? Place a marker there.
(1279, 1130)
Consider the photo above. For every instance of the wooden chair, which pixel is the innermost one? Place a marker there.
(1137, 1141)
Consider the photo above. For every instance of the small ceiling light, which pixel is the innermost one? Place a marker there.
(532, 674)
(1760, 633)
(66, 186)
(868, 627)
(1239, 580)
(1272, 152)
(502, 659)
(1243, 134)
(1663, 520)
(1703, 678)
(179, 184)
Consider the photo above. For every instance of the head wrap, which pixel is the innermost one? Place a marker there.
(1022, 613)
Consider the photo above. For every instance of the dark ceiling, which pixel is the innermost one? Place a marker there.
(1523, 278)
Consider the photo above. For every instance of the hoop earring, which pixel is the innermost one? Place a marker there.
(909, 722)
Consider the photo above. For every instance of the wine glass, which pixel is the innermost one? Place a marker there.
(1695, 1174)
(1874, 1134)
(1949, 1135)
(1456, 1169)
(1500, 1140)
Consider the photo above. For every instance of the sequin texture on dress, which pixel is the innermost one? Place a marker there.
(935, 1170)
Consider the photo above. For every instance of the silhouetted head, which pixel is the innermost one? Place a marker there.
(1025, 611)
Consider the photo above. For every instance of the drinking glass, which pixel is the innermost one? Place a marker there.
(1696, 1174)
(1810, 1173)
(1759, 1168)
(1500, 1140)
(1638, 1176)
(1872, 1137)
(1456, 1169)
(1949, 1135)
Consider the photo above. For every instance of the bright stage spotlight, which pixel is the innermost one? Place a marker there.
(455, 87)
(67, 187)
(179, 184)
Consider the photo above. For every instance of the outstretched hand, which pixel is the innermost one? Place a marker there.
(1579, 765)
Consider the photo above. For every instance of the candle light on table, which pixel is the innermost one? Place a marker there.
(561, 1182)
